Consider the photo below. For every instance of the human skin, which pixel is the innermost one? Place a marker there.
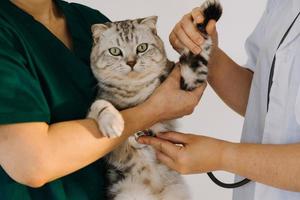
(36, 153)
(274, 165)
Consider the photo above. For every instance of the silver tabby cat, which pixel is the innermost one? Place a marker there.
(129, 61)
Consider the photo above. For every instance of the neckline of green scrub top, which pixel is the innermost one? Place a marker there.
(27, 18)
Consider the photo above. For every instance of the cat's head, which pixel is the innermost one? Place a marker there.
(127, 50)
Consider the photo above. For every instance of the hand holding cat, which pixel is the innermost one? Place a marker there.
(186, 35)
(170, 101)
(197, 154)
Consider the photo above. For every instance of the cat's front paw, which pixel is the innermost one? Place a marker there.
(194, 70)
(190, 79)
(109, 119)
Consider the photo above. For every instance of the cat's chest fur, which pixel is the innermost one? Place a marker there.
(127, 95)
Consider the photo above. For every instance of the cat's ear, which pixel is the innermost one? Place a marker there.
(150, 22)
(97, 30)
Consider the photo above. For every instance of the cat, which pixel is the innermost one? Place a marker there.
(129, 61)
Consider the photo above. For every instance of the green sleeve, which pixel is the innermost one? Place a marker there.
(21, 97)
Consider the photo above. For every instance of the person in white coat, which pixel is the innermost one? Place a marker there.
(266, 91)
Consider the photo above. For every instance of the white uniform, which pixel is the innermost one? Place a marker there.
(281, 124)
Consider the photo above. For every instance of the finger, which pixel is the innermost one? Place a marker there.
(185, 40)
(161, 145)
(175, 137)
(190, 30)
(165, 160)
(211, 27)
(197, 15)
(176, 44)
(198, 92)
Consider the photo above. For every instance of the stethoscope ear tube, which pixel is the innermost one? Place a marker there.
(227, 185)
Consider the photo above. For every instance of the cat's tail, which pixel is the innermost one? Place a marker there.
(211, 10)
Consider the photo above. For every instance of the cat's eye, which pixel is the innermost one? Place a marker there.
(115, 51)
(142, 48)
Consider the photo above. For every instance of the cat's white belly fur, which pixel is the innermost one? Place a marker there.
(149, 180)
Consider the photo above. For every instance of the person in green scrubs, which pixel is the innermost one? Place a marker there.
(48, 150)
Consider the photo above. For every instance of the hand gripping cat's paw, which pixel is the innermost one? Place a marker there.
(110, 120)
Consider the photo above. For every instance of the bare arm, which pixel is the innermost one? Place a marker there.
(274, 165)
(36, 153)
(230, 81)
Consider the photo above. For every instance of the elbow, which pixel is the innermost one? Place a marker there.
(38, 175)
(34, 181)
(296, 187)
(32, 174)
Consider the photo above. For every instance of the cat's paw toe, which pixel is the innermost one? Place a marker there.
(111, 123)
(109, 119)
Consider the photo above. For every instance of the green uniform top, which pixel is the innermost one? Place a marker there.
(41, 80)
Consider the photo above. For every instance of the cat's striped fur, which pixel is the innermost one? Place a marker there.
(129, 61)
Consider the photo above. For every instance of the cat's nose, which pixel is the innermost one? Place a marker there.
(131, 63)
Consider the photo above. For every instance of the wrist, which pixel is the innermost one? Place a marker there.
(151, 109)
(138, 118)
(215, 56)
(228, 156)
(216, 62)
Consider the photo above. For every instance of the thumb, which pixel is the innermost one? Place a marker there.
(211, 27)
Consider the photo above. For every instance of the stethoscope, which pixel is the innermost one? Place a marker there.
(246, 180)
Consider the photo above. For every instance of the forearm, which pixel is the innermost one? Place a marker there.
(76, 144)
(54, 151)
(274, 165)
(230, 81)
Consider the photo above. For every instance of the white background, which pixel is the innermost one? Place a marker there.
(212, 117)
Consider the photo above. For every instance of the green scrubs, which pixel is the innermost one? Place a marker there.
(41, 80)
